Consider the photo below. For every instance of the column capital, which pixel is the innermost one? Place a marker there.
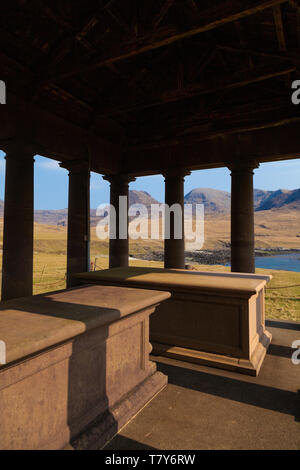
(176, 173)
(19, 148)
(119, 178)
(240, 166)
(76, 166)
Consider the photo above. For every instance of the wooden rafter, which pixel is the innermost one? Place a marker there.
(162, 13)
(79, 36)
(67, 27)
(198, 122)
(193, 121)
(108, 4)
(279, 28)
(183, 102)
(241, 33)
(11, 11)
(214, 19)
(117, 18)
(135, 23)
(15, 65)
(87, 28)
(239, 80)
(58, 53)
(293, 59)
(270, 124)
(298, 27)
(18, 43)
(59, 91)
(295, 4)
(203, 63)
(194, 5)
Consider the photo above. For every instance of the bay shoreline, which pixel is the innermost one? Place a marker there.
(213, 257)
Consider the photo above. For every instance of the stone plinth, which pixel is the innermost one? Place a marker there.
(215, 319)
(77, 366)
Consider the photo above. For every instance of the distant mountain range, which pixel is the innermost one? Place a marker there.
(215, 202)
(60, 217)
(266, 200)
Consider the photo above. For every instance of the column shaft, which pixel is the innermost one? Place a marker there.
(174, 194)
(242, 220)
(119, 246)
(78, 256)
(17, 269)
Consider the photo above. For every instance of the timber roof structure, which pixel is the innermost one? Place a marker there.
(158, 83)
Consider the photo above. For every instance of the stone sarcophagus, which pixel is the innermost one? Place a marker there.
(211, 318)
(76, 366)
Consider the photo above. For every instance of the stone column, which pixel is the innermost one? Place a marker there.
(174, 194)
(119, 245)
(17, 264)
(78, 256)
(242, 218)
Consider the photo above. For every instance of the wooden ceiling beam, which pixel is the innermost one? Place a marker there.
(261, 53)
(87, 28)
(241, 33)
(118, 20)
(295, 4)
(279, 28)
(262, 145)
(162, 13)
(11, 11)
(194, 5)
(215, 18)
(237, 80)
(235, 112)
(199, 125)
(66, 26)
(53, 135)
(13, 64)
(68, 96)
(298, 27)
(189, 139)
(203, 63)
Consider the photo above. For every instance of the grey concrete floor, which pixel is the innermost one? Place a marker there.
(206, 408)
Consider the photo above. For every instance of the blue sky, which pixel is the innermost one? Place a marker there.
(51, 182)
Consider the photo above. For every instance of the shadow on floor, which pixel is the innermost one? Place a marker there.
(280, 351)
(123, 443)
(254, 394)
(284, 325)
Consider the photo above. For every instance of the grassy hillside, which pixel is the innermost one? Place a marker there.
(273, 228)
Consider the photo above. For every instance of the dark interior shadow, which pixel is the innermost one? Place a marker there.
(249, 393)
(120, 442)
(280, 351)
(285, 325)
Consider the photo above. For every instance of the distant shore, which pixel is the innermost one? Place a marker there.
(212, 257)
(223, 256)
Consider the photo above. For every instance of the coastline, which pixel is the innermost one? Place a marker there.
(217, 257)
